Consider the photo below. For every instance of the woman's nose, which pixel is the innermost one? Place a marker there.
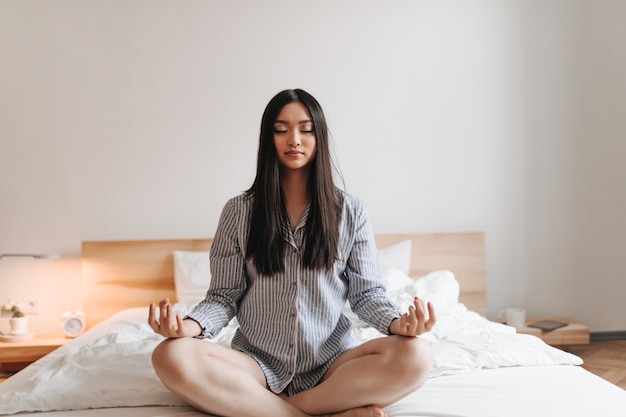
(294, 139)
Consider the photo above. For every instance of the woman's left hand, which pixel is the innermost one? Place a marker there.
(419, 319)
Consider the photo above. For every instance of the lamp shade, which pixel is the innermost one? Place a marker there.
(30, 255)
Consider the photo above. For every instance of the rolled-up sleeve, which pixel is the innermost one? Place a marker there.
(228, 281)
(367, 294)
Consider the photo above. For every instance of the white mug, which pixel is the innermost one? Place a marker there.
(514, 316)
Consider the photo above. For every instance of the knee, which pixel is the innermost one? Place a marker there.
(167, 359)
(412, 360)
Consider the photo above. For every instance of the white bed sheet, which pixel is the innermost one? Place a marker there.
(535, 391)
(525, 391)
(481, 369)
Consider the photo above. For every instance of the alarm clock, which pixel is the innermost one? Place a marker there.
(73, 323)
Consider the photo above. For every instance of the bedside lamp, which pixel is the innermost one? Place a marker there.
(29, 255)
(22, 333)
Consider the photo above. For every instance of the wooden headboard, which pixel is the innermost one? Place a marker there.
(135, 273)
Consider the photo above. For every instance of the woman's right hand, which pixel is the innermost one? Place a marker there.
(169, 324)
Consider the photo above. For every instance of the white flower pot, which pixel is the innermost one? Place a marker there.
(19, 325)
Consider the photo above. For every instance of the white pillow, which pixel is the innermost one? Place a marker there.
(192, 276)
(396, 256)
(440, 288)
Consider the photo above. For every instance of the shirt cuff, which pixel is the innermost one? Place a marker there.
(205, 333)
(385, 322)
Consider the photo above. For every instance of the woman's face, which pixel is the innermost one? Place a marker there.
(294, 137)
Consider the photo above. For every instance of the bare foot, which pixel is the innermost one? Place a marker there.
(370, 411)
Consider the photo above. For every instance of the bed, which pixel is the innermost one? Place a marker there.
(482, 368)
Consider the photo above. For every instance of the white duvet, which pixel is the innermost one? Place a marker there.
(109, 366)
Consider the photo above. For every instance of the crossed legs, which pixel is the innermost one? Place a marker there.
(359, 383)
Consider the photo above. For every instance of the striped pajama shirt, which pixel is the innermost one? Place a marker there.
(291, 323)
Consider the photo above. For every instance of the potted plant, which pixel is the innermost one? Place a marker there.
(18, 321)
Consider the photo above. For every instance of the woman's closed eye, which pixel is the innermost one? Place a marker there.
(282, 131)
(306, 127)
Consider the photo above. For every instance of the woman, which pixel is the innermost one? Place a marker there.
(286, 256)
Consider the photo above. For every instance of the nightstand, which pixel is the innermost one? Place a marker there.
(15, 356)
(572, 334)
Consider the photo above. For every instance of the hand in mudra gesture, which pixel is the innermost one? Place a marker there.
(169, 324)
(419, 319)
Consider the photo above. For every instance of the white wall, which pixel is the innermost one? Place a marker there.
(575, 143)
(138, 119)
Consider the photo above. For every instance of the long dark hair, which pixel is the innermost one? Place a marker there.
(266, 244)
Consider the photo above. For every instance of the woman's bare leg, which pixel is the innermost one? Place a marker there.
(378, 373)
(217, 380)
(226, 382)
